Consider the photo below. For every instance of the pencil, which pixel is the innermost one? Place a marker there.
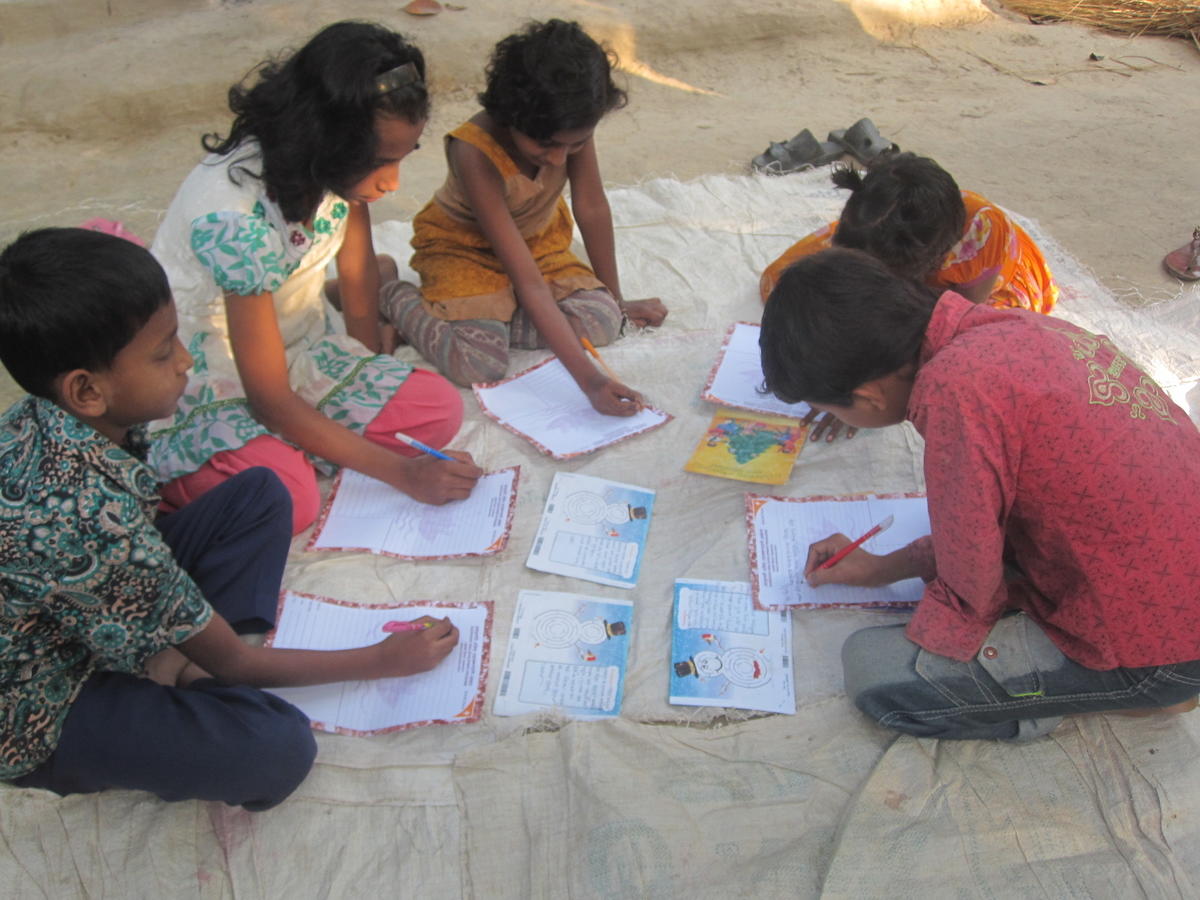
(854, 545)
(420, 445)
(587, 345)
(406, 626)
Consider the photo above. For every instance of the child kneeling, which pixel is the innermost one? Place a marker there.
(1062, 484)
(95, 589)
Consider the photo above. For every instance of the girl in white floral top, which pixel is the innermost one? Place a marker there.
(316, 138)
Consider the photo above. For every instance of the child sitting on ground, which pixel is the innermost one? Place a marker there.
(94, 589)
(1062, 483)
(909, 213)
(316, 138)
(493, 247)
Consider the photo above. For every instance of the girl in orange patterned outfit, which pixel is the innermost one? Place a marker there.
(908, 212)
(493, 247)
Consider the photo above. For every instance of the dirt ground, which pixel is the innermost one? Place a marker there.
(1093, 134)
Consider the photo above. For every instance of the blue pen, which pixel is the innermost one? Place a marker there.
(420, 445)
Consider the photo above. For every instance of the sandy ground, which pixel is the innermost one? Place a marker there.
(1091, 133)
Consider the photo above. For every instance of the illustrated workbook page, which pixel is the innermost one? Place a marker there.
(452, 691)
(545, 406)
(781, 529)
(726, 653)
(737, 376)
(748, 446)
(366, 514)
(566, 652)
(593, 529)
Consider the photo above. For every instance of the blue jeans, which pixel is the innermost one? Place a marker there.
(1018, 687)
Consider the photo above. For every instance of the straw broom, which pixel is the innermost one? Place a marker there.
(1166, 17)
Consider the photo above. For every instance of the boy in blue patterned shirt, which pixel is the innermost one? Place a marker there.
(93, 586)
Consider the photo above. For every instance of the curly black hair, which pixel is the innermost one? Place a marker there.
(550, 77)
(907, 212)
(313, 112)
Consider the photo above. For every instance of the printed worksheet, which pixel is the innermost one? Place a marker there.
(369, 515)
(545, 406)
(593, 529)
(781, 529)
(450, 692)
(726, 653)
(748, 446)
(566, 652)
(737, 376)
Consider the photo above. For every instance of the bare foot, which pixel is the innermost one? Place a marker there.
(1173, 710)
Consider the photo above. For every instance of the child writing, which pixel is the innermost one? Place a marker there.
(1062, 483)
(94, 589)
(316, 139)
(909, 213)
(493, 247)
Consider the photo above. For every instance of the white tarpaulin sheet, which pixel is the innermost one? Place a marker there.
(673, 801)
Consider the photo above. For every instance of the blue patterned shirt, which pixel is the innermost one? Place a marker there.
(86, 581)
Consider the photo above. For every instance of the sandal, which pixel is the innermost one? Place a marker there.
(801, 152)
(863, 141)
(1185, 262)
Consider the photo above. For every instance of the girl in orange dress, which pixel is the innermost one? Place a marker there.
(493, 247)
(908, 212)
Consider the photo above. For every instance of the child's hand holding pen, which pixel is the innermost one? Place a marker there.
(607, 394)
(857, 568)
(444, 475)
(839, 560)
(610, 397)
(420, 646)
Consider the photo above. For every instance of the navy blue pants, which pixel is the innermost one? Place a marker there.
(207, 741)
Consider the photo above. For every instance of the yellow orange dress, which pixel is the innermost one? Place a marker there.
(461, 276)
(992, 245)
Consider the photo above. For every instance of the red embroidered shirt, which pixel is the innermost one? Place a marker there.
(1046, 446)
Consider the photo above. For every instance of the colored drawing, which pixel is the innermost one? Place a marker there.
(748, 447)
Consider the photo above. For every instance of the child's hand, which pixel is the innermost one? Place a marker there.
(437, 481)
(830, 425)
(859, 568)
(410, 652)
(648, 313)
(613, 398)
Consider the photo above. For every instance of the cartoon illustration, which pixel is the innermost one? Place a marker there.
(589, 508)
(748, 439)
(557, 629)
(740, 666)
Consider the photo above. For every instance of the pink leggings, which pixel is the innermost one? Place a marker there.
(427, 407)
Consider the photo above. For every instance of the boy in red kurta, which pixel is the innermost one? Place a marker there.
(1063, 568)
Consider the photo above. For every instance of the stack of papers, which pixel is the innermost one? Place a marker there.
(450, 692)
(545, 406)
(736, 379)
(366, 514)
(781, 529)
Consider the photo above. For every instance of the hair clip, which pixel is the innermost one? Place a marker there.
(394, 79)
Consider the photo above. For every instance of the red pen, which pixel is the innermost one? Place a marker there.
(854, 545)
(406, 626)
